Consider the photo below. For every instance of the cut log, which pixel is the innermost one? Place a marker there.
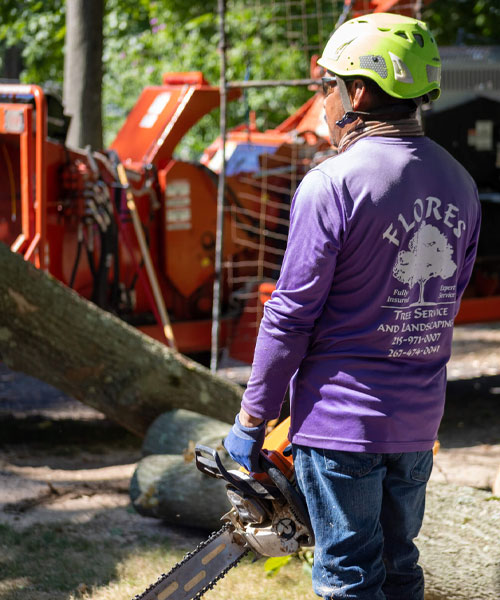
(170, 487)
(166, 483)
(178, 431)
(51, 333)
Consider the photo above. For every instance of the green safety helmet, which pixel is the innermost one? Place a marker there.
(398, 53)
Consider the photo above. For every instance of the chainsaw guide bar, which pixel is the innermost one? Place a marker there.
(201, 569)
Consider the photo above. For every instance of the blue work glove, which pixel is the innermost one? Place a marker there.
(243, 444)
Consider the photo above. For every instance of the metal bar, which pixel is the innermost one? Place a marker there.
(260, 83)
(148, 290)
(40, 177)
(32, 247)
(263, 230)
(256, 215)
(25, 152)
(145, 254)
(219, 237)
(270, 203)
(253, 263)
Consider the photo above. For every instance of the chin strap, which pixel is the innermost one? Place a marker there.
(383, 113)
(350, 115)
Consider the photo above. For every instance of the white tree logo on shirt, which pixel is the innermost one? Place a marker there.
(429, 255)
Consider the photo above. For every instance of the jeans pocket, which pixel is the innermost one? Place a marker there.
(422, 468)
(354, 464)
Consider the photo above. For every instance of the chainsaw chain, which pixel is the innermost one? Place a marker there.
(222, 574)
(187, 557)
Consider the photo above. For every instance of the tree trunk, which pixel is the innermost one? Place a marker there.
(50, 332)
(421, 295)
(12, 62)
(83, 72)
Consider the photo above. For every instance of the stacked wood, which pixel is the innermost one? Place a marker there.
(166, 483)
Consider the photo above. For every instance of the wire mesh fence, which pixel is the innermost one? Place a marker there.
(259, 215)
(306, 25)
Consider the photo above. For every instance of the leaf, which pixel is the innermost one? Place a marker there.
(198, 22)
(275, 563)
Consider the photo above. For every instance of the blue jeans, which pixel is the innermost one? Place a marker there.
(365, 510)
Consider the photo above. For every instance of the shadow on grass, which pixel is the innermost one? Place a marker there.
(66, 560)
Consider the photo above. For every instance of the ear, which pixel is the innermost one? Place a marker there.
(359, 94)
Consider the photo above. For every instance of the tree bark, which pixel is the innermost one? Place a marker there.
(12, 62)
(166, 483)
(170, 488)
(50, 332)
(83, 72)
(178, 431)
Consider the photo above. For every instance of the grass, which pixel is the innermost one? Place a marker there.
(58, 562)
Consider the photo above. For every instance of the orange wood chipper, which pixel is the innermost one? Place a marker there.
(80, 215)
(133, 228)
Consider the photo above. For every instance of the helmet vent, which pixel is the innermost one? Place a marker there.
(419, 39)
(340, 49)
(402, 34)
(401, 71)
(374, 63)
(433, 73)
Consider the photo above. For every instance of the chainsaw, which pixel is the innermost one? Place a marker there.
(268, 516)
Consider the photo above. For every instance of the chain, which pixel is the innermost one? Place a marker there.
(188, 556)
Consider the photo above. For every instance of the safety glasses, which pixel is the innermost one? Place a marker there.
(328, 83)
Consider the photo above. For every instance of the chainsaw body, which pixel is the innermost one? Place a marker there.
(267, 510)
(268, 517)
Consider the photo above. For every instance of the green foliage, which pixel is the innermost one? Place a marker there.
(274, 564)
(38, 28)
(188, 41)
(471, 22)
(307, 558)
(146, 38)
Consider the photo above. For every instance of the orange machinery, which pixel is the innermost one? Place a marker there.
(67, 211)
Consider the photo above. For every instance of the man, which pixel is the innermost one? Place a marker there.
(381, 246)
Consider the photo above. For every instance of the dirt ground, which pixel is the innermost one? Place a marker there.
(62, 461)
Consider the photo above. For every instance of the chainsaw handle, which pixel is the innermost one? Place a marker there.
(208, 462)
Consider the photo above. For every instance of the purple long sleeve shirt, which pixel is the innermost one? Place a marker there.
(381, 246)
